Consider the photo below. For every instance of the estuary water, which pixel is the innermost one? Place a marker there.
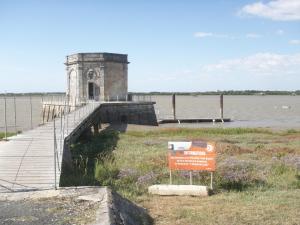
(272, 111)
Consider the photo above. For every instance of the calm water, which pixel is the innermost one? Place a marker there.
(25, 107)
(246, 111)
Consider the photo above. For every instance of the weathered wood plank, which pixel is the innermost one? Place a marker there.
(27, 159)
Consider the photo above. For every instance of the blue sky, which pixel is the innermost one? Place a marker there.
(172, 45)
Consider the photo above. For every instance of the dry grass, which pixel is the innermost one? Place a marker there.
(257, 179)
(271, 207)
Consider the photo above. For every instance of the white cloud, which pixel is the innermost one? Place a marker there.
(258, 64)
(280, 10)
(202, 34)
(253, 35)
(209, 34)
(280, 32)
(294, 42)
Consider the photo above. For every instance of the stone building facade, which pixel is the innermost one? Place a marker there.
(96, 76)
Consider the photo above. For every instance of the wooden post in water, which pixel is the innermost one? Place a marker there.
(221, 106)
(174, 106)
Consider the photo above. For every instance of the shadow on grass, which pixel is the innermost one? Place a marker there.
(93, 159)
(93, 165)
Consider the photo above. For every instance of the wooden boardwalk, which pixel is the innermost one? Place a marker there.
(27, 160)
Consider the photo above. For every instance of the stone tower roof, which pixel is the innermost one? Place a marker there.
(96, 57)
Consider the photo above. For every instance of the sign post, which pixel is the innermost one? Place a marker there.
(189, 156)
(192, 156)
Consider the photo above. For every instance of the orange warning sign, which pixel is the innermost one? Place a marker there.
(192, 155)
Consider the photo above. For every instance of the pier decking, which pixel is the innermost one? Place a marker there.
(27, 160)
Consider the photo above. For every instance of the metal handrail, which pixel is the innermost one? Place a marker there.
(59, 137)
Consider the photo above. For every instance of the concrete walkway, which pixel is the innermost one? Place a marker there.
(27, 159)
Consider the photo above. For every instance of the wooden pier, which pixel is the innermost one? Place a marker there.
(33, 160)
(201, 120)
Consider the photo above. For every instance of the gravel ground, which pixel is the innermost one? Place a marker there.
(47, 211)
(74, 205)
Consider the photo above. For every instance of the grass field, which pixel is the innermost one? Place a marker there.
(257, 179)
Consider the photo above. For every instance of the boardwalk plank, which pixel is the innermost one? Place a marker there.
(27, 159)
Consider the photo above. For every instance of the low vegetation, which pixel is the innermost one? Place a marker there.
(257, 177)
(2, 135)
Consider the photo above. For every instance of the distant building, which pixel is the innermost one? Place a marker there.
(96, 76)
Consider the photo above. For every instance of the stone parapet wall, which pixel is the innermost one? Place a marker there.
(141, 113)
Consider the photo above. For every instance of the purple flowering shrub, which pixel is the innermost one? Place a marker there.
(238, 174)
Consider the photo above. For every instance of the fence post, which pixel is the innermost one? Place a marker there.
(74, 116)
(30, 111)
(55, 146)
(15, 113)
(79, 112)
(211, 180)
(61, 129)
(5, 119)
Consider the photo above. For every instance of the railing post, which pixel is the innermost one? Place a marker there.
(55, 146)
(61, 129)
(5, 119)
(15, 113)
(30, 100)
(68, 110)
(74, 115)
(79, 112)
(211, 180)
(67, 120)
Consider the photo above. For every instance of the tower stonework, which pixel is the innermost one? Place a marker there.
(97, 77)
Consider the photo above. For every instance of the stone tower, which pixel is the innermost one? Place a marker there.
(96, 76)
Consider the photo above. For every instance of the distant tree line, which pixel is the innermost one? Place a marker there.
(229, 92)
(32, 93)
